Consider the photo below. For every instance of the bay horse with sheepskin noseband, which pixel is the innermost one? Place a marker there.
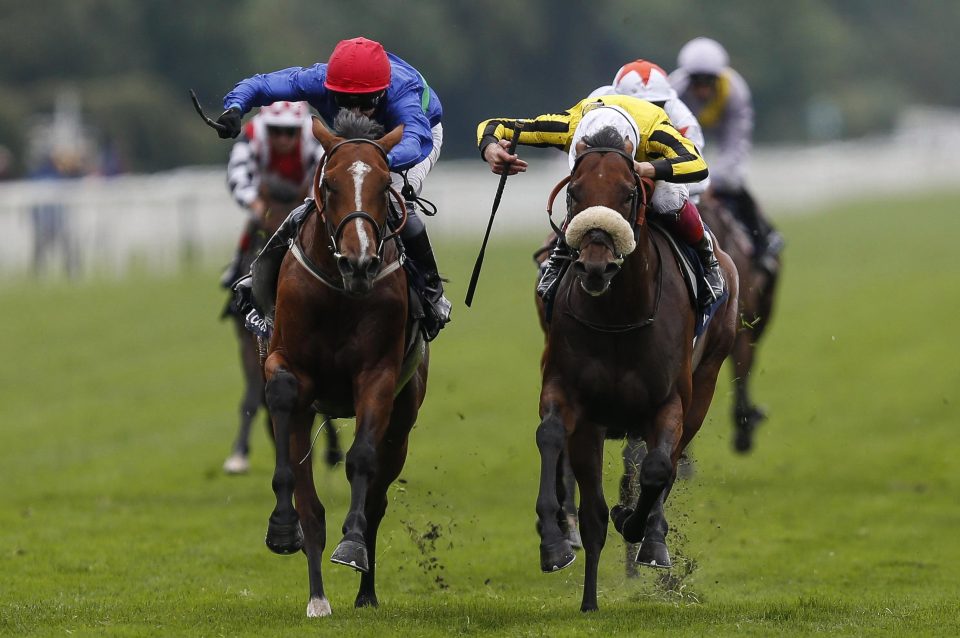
(620, 360)
(342, 344)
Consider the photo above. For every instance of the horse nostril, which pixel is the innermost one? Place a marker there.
(611, 269)
(373, 266)
(344, 264)
(579, 268)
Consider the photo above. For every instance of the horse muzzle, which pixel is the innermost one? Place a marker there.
(595, 276)
(359, 273)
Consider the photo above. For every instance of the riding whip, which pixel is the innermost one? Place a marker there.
(214, 125)
(517, 127)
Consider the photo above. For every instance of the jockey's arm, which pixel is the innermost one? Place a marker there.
(417, 141)
(494, 136)
(292, 85)
(677, 158)
(242, 173)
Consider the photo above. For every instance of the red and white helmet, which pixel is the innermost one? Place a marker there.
(644, 80)
(358, 65)
(284, 114)
(703, 56)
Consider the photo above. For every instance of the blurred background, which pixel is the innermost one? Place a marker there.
(95, 96)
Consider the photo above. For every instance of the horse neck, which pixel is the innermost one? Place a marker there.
(315, 241)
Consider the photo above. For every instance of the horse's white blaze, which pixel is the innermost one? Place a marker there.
(318, 608)
(359, 170)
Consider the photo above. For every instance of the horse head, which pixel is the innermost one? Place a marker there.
(603, 200)
(352, 189)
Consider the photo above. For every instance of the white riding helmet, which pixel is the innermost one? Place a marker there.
(644, 80)
(703, 55)
(284, 114)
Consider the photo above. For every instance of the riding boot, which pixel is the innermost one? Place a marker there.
(417, 244)
(260, 288)
(712, 274)
(551, 271)
(767, 242)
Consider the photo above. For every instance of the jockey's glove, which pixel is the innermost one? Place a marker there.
(230, 120)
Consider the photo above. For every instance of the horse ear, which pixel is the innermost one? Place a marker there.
(628, 146)
(323, 134)
(391, 139)
(581, 147)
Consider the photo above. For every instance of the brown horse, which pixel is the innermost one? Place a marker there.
(343, 343)
(758, 287)
(620, 360)
(280, 197)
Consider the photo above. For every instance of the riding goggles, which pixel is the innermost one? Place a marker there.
(362, 101)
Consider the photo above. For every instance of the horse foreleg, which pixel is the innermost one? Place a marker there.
(391, 455)
(656, 471)
(633, 452)
(311, 512)
(374, 403)
(746, 416)
(586, 459)
(555, 550)
(284, 534)
(253, 398)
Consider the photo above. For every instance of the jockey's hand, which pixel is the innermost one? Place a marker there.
(500, 159)
(644, 169)
(230, 120)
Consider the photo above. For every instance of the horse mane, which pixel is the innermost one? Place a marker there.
(607, 137)
(352, 125)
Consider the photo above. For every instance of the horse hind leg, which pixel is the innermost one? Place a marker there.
(555, 550)
(284, 534)
(334, 453)
(567, 492)
(746, 415)
(633, 452)
(586, 459)
(253, 397)
(312, 515)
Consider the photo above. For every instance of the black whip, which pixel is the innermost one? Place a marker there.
(214, 125)
(517, 127)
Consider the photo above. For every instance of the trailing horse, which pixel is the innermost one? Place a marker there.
(343, 344)
(280, 199)
(620, 360)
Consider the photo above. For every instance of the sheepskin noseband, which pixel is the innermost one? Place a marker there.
(605, 219)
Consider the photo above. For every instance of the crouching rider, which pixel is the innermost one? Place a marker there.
(362, 77)
(660, 153)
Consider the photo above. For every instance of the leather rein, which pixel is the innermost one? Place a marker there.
(335, 232)
(639, 199)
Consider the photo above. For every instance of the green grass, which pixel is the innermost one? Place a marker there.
(118, 402)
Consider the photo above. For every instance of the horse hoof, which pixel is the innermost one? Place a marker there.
(284, 538)
(318, 608)
(236, 464)
(556, 556)
(352, 554)
(743, 441)
(366, 601)
(654, 554)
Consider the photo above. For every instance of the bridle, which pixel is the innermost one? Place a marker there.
(639, 200)
(639, 196)
(335, 232)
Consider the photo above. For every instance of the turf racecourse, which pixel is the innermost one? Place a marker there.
(117, 403)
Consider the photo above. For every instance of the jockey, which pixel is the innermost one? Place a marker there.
(721, 101)
(277, 149)
(364, 78)
(660, 152)
(648, 81)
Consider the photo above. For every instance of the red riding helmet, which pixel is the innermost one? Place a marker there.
(358, 65)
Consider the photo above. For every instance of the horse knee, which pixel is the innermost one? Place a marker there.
(362, 455)
(656, 470)
(281, 391)
(550, 434)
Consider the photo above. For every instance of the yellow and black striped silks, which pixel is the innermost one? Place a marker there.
(674, 157)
